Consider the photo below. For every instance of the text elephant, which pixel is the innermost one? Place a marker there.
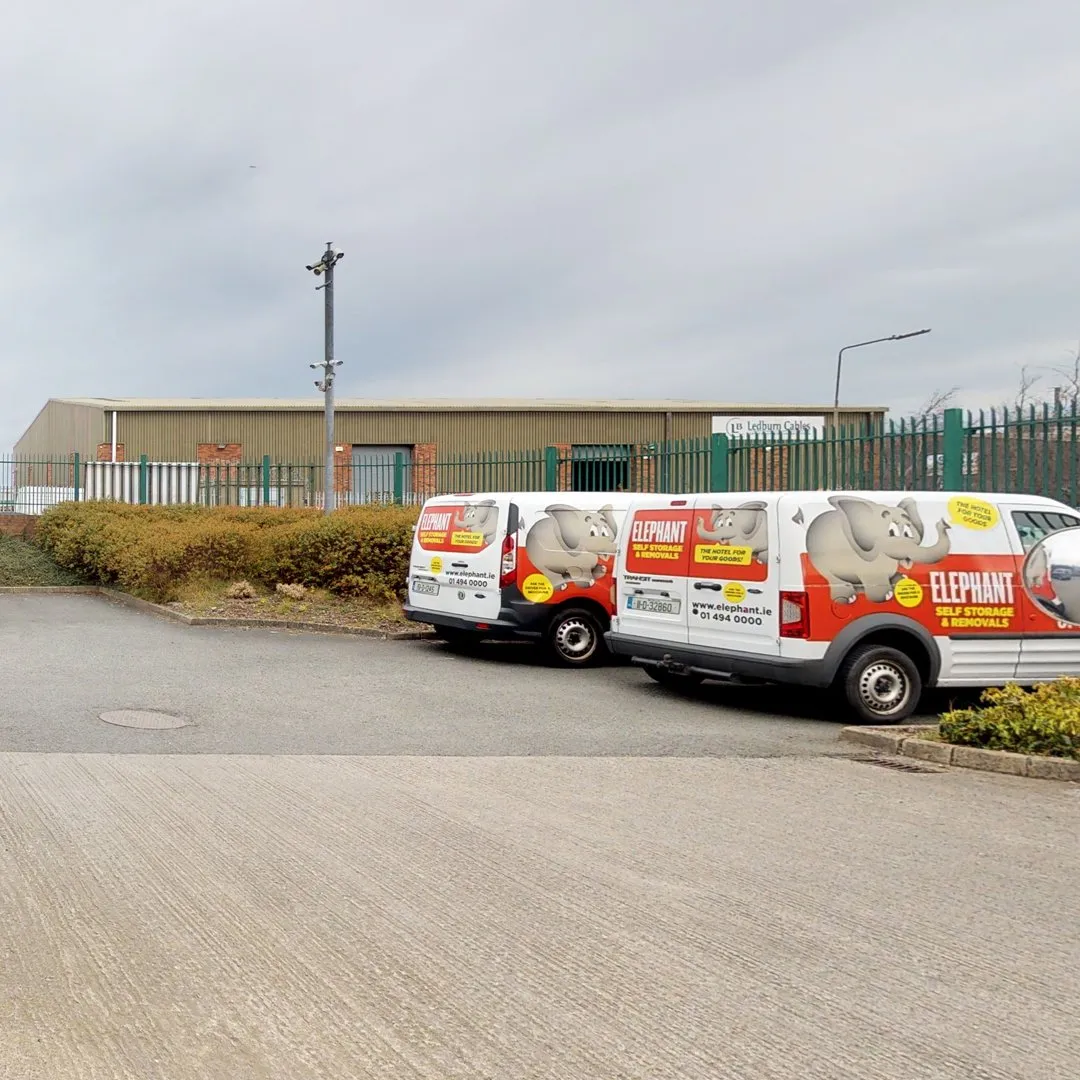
(860, 546)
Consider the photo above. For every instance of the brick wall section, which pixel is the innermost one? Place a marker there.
(424, 479)
(342, 472)
(20, 525)
(209, 454)
(643, 469)
(566, 467)
(104, 452)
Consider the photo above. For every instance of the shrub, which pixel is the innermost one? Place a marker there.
(153, 550)
(1045, 720)
(240, 590)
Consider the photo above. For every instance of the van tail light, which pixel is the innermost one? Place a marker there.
(794, 615)
(508, 571)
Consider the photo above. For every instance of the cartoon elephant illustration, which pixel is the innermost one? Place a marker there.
(568, 546)
(745, 525)
(860, 546)
(481, 517)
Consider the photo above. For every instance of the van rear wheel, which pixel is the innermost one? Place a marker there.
(575, 638)
(882, 685)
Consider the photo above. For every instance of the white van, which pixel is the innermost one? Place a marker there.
(878, 594)
(532, 565)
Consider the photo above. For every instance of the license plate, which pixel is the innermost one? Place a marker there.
(428, 588)
(647, 603)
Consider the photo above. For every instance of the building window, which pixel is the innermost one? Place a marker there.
(600, 468)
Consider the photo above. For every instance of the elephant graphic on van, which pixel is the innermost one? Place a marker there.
(861, 546)
(569, 546)
(745, 525)
(481, 517)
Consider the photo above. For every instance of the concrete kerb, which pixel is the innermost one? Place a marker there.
(221, 621)
(909, 742)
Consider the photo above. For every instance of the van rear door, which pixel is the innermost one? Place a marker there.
(653, 551)
(733, 573)
(456, 556)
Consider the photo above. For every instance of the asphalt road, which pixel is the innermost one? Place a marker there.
(265, 692)
(384, 860)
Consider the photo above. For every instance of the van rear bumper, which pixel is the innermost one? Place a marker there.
(507, 627)
(715, 664)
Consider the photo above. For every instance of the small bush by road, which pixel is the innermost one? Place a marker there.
(1045, 720)
(22, 564)
(156, 551)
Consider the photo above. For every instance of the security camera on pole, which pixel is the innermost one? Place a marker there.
(325, 267)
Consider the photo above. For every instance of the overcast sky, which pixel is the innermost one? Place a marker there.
(574, 198)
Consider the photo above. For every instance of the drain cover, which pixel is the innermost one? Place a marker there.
(149, 719)
(899, 764)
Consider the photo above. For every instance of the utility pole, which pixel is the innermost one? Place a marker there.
(325, 267)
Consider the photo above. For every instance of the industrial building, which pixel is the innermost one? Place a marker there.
(424, 432)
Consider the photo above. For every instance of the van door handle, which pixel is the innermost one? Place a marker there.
(460, 565)
(715, 588)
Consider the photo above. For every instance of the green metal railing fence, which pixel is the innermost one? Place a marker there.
(1034, 451)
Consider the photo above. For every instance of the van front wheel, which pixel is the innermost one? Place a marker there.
(575, 638)
(882, 685)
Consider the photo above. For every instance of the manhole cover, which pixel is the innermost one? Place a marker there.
(144, 718)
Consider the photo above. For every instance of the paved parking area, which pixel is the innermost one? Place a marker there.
(265, 692)
(374, 860)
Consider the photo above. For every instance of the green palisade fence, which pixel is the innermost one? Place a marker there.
(1031, 451)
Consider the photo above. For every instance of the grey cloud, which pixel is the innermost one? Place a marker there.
(695, 199)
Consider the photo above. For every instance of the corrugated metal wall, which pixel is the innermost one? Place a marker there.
(63, 428)
(296, 437)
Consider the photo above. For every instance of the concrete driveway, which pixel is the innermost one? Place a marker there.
(363, 859)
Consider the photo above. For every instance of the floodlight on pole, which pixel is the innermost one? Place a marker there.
(325, 268)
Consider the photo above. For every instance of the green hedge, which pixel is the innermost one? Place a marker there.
(1045, 720)
(151, 551)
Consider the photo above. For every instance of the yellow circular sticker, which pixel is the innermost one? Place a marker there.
(537, 588)
(972, 513)
(436, 565)
(908, 593)
(734, 592)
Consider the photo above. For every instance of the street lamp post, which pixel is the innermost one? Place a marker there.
(859, 345)
(325, 267)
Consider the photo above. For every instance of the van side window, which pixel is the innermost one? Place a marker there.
(1033, 525)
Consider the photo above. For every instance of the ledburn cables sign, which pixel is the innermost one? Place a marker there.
(769, 427)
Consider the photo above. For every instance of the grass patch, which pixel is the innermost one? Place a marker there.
(22, 565)
(210, 598)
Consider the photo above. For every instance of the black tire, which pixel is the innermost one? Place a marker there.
(575, 638)
(881, 685)
(673, 679)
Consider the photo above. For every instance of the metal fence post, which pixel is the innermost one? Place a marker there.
(399, 478)
(77, 464)
(143, 477)
(266, 480)
(718, 463)
(551, 468)
(953, 451)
